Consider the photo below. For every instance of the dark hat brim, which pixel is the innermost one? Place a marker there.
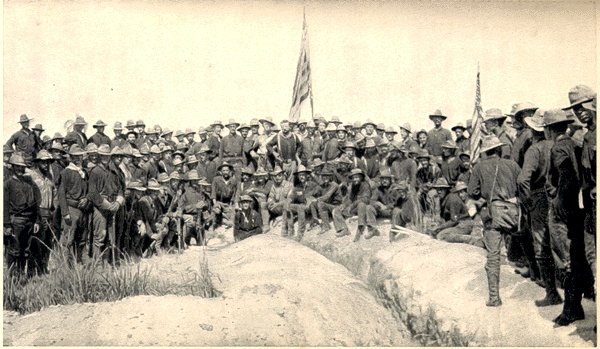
(566, 121)
(457, 127)
(444, 117)
(576, 103)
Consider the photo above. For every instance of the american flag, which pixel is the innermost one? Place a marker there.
(476, 122)
(303, 82)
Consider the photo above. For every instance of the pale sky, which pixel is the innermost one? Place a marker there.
(187, 64)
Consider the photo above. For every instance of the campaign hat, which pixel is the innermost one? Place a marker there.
(24, 118)
(76, 150)
(438, 113)
(580, 94)
(99, 123)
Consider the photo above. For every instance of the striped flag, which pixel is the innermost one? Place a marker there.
(302, 98)
(477, 123)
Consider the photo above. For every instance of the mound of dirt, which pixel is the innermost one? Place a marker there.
(417, 273)
(275, 292)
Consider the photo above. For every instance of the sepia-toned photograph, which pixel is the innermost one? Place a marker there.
(299, 173)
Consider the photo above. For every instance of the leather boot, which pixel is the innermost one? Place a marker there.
(572, 309)
(548, 277)
(494, 289)
(359, 232)
(325, 227)
(342, 233)
(372, 232)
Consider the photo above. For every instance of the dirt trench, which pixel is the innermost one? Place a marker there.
(275, 292)
(438, 290)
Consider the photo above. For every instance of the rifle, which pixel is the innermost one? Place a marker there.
(113, 237)
(178, 219)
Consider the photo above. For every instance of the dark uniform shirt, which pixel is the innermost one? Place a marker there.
(20, 199)
(73, 187)
(405, 170)
(508, 143)
(308, 151)
(138, 173)
(247, 223)
(427, 175)
(451, 170)
(464, 144)
(214, 143)
(75, 137)
(300, 193)
(151, 168)
(331, 150)
(356, 194)
(435, 138)
(330, 194)
(287, 147)
(119, 141)
(231, 146)
(522, 142)
(24, 141)
(535, 168)
(564, 175)
(588, 162)
(99, 139)
(453, 207)
(482, 179)
(190, 199)
(386, 196)
(105, 183)
(223, 190)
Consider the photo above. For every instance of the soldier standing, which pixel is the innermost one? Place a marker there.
(494, 180)
(21, 215)
(106, 190)
(24, 140)
(74, 204)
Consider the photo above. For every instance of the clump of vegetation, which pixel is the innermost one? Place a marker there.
(94, 281)
(424, 326)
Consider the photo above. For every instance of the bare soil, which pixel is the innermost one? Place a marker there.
(275, 292)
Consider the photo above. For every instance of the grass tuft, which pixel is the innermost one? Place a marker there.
(94, 281)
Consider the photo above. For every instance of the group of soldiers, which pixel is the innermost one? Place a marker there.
(149, 188)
